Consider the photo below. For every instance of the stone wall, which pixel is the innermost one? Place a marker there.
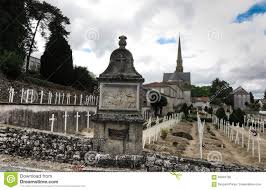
(37, 117)
(39, 145)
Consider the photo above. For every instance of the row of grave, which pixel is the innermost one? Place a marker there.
(31, 96)
(247, 136)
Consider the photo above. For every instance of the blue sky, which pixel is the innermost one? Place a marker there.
(259, 8)
(164, 40)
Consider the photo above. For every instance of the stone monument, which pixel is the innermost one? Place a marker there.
(119, 118)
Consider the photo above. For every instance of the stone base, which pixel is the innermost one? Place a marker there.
(122, 137)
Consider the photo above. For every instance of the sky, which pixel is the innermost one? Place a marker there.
(224, 39)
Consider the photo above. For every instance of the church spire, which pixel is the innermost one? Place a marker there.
(179, 61)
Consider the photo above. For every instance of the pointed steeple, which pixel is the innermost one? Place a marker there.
(179, 61)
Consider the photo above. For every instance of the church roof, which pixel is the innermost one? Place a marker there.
(240, 90)
(176, 76)
(121, 65)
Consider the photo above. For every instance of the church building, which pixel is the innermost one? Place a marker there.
(176, 86)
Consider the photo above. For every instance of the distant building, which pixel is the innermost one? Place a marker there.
(179, 78)
(241, 98)
(201, 102)
(176, 86)
(34, 64)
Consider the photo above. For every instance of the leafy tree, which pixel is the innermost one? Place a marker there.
(14, 26)
(11, 64)
(221, 92)
(43, 13)
(220, 113)
(197, 91)
(83, 80)
(210, 110)
(57, 62)
(237, 116)
(158, 106)
(251, 97)
(185, 109)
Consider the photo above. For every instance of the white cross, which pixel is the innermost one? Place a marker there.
(22, 95)
(88, 119)
(81, 97)
(50, 95)
(65, 116)
(56, 96)
(77, 116)
(41, 97)
(52, 124)
(11, 95)
(63, 98)
(59, 98)
(68, 98)
(27, 96)
(75, 99)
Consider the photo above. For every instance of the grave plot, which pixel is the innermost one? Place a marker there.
(248, 141)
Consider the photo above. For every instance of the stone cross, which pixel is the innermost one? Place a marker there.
(88, 119)
(41, 97)
(50, 96)
(11, 95)
(52, 119)
(56, 96)
(77, 116)
(68, 98)
(31, 95)
(63, 98)
(22, 95)
(81, 99)
(59, 98)
(65, 123)
(27, 96)
(75, 99)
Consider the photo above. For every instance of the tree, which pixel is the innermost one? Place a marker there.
(57, 62)
(221, 92)
(185, 109)
(265, 94)
(83, 80)
(220, 113)
(14, 26)
(197, 91)
(158, 105)
(251, 98)
(11, 64)
(43, 13)
(237, 116)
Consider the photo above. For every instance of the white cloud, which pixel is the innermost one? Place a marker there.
(212, 45)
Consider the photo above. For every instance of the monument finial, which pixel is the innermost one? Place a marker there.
(122, 41)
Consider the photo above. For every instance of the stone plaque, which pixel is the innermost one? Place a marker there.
(118, 134)
(119, 97)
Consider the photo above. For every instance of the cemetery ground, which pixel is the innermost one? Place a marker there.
(183, 141)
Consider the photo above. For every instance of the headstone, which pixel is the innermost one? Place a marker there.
(65, 121)
(119, 120)
(77, 116)
(52, 119)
